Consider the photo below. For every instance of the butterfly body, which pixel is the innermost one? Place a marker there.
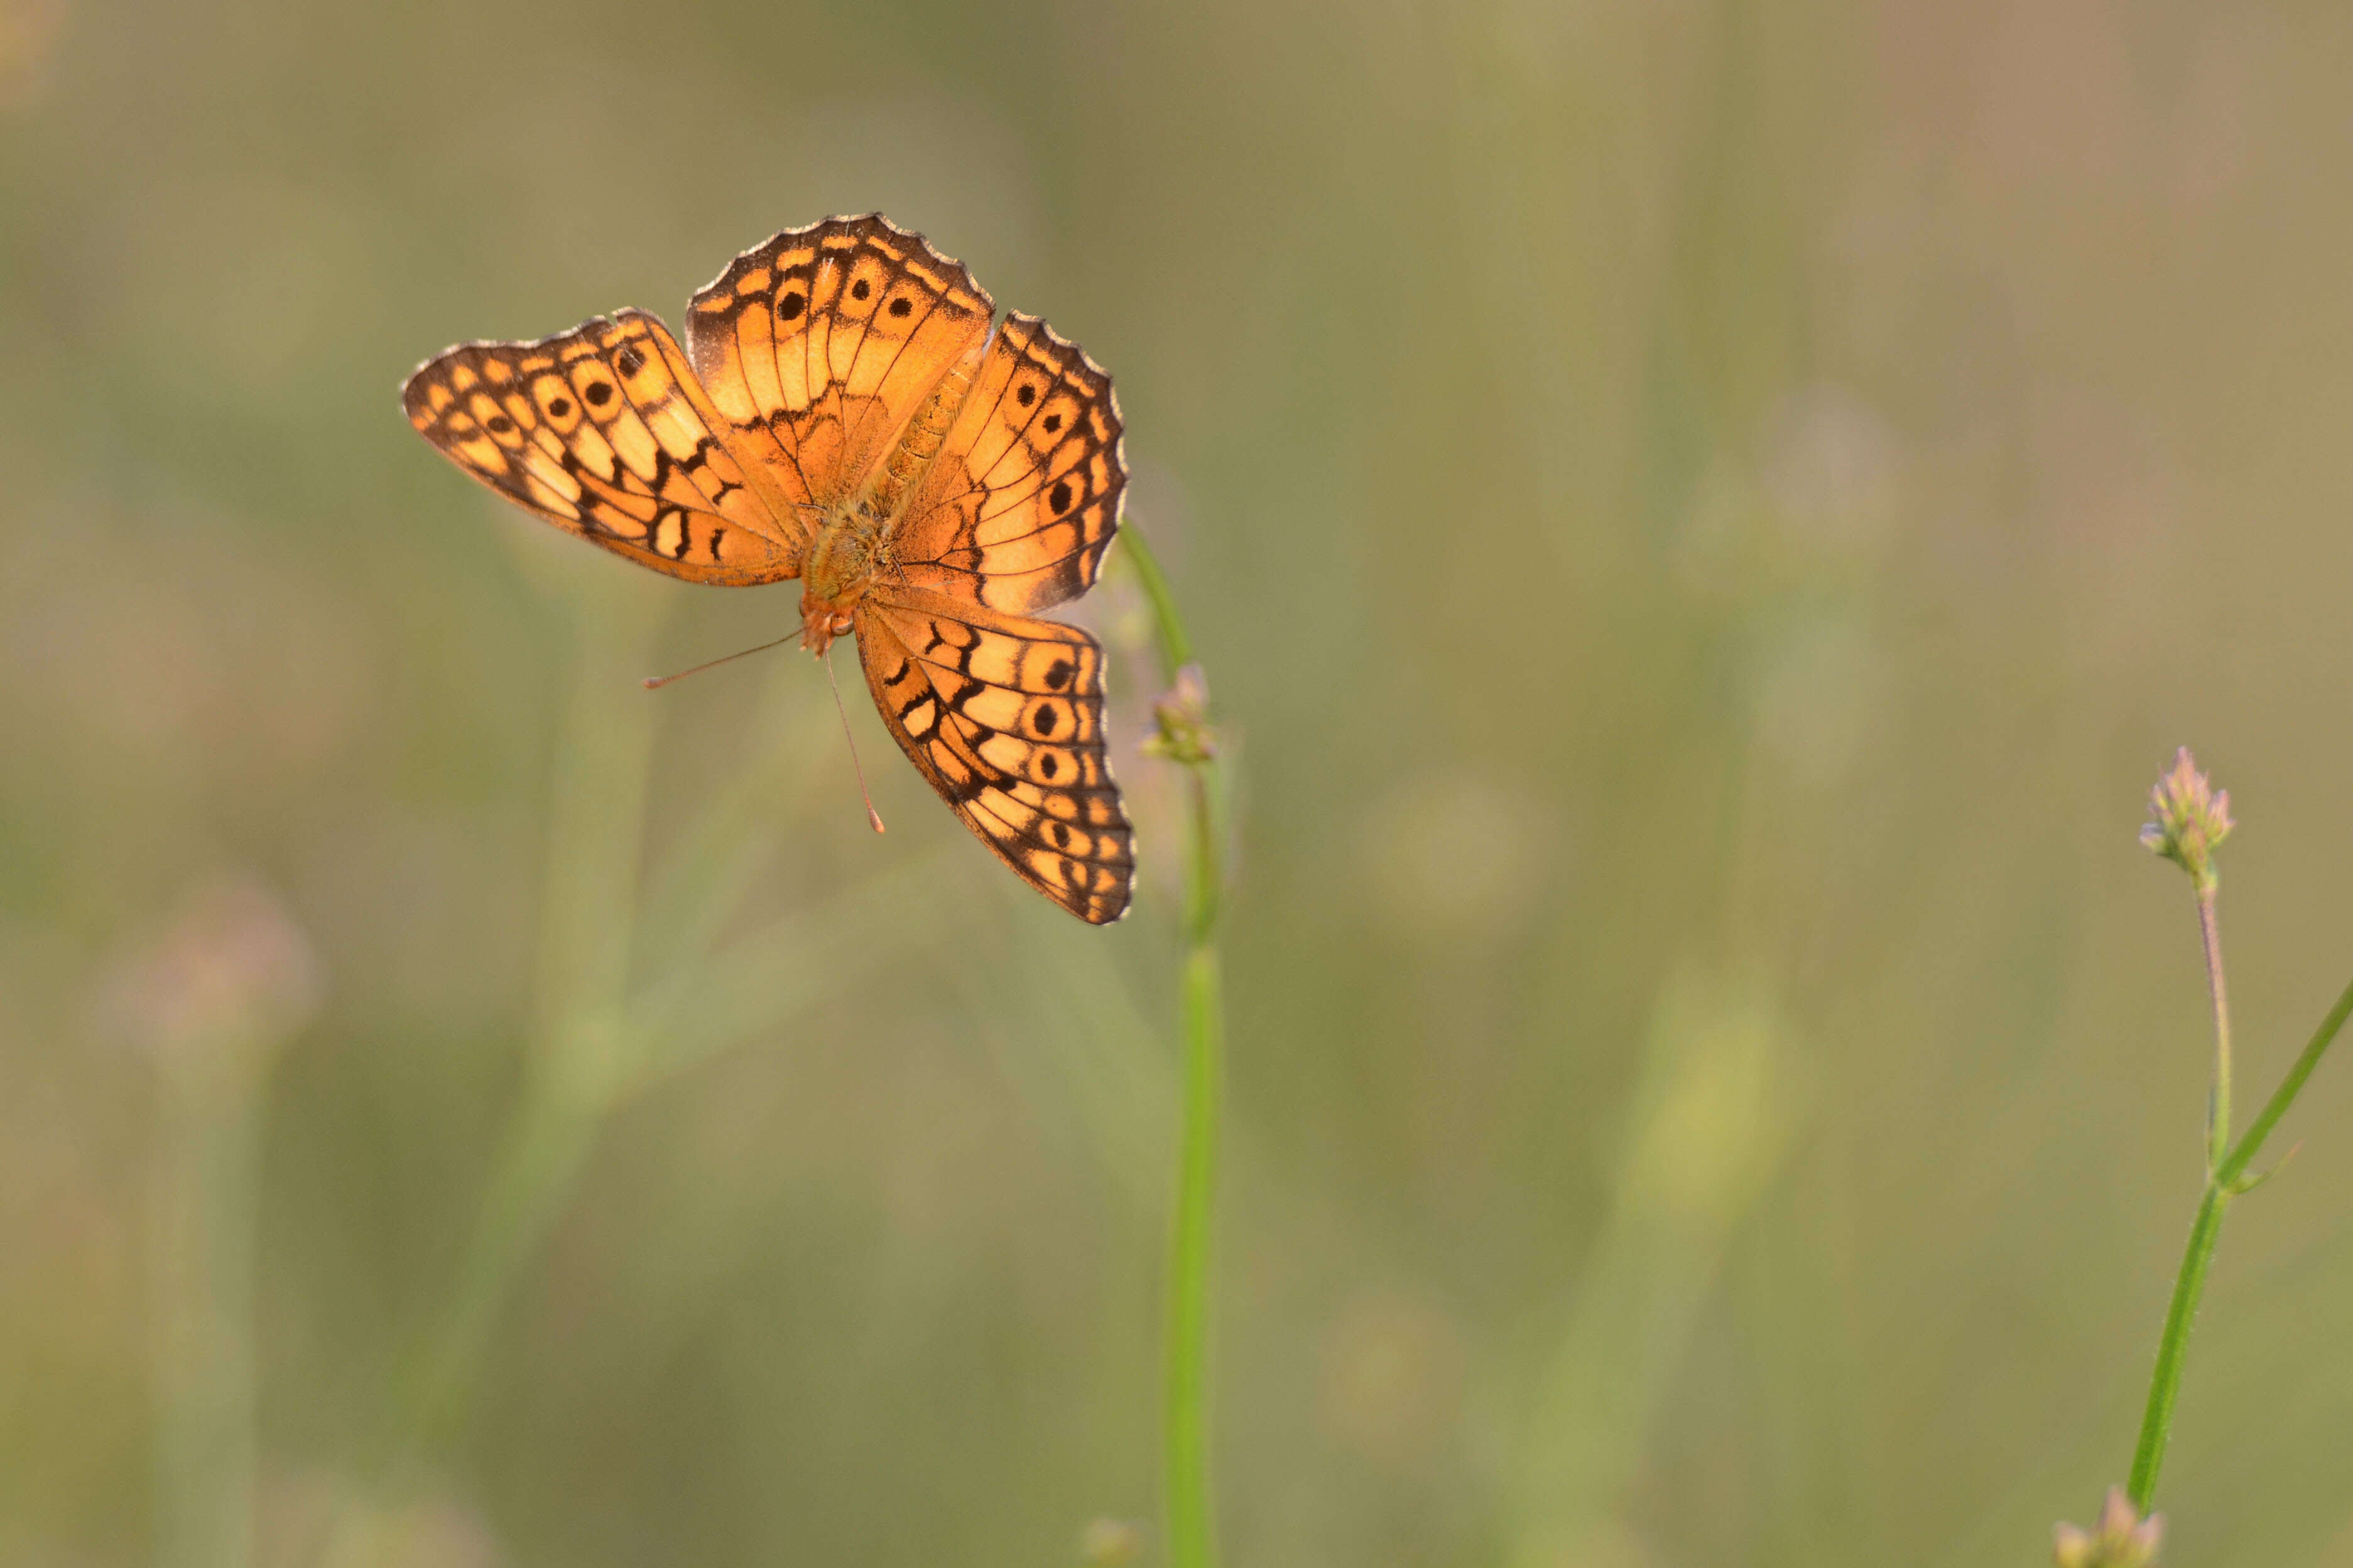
(842, 566)
(842, 411)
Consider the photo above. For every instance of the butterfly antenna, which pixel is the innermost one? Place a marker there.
(873, 815)
(653, 681)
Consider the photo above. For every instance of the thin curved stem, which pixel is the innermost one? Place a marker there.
(2285, 1095)
(2225, 1180)
(2173, 1344)
(1191, 1517)
(2218, 1109)
(1168, 624)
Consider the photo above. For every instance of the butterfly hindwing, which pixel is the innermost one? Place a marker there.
(603, 431)
(1024, 496)
(819, 345)
(1004, 717)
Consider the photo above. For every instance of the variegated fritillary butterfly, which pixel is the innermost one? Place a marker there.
(842, 412)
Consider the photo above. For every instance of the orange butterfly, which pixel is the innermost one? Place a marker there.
(843, 413)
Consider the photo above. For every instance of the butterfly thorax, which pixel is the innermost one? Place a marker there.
(852, 548)
(843, 564)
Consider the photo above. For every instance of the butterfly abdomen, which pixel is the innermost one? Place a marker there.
(926, 433)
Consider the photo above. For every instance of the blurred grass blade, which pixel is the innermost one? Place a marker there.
(205, 1198)
(761, 980)
(574, 1058)
(1710, 1124)
(722, 856)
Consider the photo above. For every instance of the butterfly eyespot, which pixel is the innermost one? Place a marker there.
(561, 407)
(1047, 717)
(629, 359)
(1059, 834)
(790, 307)
(1053, 423)
(1058, 675)
(1025, 394)
(902, 306)
(598, 393)
(1061, 498)
(859, 290)
(1050, 765)
(499, 424)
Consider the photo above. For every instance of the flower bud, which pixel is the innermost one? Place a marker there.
(1110, 1544)
(2122, 1540)
(1182, 714)
(2190, 816)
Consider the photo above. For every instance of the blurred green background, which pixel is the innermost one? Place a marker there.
(1702, 521)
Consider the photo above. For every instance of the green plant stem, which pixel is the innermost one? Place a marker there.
(1191, 1516)
(2222, 1183)
(2290, 1086)
(1167, 626)
(2165, 1382)
(1190, 1524)
(2218, 1108)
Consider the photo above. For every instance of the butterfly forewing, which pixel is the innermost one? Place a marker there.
(603, 431)
(1004, 716)
(819, 345)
